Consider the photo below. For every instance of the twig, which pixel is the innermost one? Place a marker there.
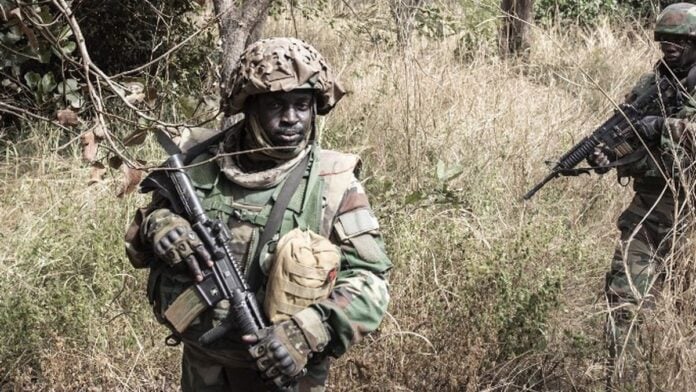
(175, 47)
(14, 110)
(87, 64)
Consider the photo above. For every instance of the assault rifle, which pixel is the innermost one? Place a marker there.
(224, 280)
(616, 134)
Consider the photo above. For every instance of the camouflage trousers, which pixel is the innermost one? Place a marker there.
(232, 370)
(636, 276)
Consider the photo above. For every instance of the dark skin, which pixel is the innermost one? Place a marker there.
(678, 53)
(284, 116)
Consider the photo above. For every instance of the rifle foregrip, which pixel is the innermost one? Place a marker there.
(578, 153)
(568, 161)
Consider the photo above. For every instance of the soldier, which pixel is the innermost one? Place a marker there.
(322, 260)
(656, 214)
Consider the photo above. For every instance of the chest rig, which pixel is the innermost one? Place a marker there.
(648, 172)
(247, 210)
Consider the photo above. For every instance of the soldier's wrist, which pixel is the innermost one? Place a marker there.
(314, 329)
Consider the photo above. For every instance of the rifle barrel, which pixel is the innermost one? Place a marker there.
(540, 185)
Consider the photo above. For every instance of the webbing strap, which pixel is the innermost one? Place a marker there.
(289, 309)
(307, 272)
(309, 293)
(275, 218)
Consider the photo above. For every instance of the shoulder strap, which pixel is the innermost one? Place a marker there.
(275, 217)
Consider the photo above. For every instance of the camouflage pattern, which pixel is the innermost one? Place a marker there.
(676, 19)
(647, 229)
(330, 192)
(282, 64)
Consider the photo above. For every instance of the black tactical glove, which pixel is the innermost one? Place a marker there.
(173, 240)
(650, 128)
(281, 352)
(599, 158)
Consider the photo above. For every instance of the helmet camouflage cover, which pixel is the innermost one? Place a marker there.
(677, 19)
(282, 64)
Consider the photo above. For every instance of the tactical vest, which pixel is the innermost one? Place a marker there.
(313, 206)
(646, 172)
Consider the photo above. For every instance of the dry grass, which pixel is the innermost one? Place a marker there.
(488, 293)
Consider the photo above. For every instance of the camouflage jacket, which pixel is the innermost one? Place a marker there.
(670, 157)
(331, 201)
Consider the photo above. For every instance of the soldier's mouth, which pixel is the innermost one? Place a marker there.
(289, 137)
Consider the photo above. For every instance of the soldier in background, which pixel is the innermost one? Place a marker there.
(322, 263)
(657, 214)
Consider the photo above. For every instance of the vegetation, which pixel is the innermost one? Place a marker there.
(488, 293)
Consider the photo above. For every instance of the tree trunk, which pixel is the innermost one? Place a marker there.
(403, 12)
(239, 25)
(514, 33)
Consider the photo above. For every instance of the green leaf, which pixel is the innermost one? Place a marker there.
(65, 33)
(440, 170)
(48, 83)
(414, 197)
(68, 47)
(74, 100)
(188, 105)
(44, 55)
(45, 15)
(32, 78)
(67, 86)
(447, 173)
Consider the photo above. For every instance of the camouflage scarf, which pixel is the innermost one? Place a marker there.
(255, 180)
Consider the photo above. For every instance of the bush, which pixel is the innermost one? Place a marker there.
(586, 12)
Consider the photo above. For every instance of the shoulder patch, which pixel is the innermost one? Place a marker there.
(334, 162)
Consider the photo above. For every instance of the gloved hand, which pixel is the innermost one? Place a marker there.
(650, 127)
(173, 241)
(600, 157)
(281, 352)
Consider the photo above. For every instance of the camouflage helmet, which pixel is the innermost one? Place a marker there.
(282, 64)
(676, 20)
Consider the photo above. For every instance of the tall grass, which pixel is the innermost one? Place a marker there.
(488, 293)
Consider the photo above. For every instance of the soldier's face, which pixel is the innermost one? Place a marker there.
(678, 54)
(286, 117)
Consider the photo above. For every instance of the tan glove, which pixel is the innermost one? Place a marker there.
(174, 241)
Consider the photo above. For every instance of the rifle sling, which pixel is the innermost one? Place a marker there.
(274, 220)
(188, 305)
(633, 157)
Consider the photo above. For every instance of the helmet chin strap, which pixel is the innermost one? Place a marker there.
(313, 135)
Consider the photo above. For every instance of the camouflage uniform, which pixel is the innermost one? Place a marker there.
(655, 215)
(329, 200)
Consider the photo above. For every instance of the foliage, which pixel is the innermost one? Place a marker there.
(586, 12)
(32, 72)
(43, 72)
(146, 29)
(488, 293)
